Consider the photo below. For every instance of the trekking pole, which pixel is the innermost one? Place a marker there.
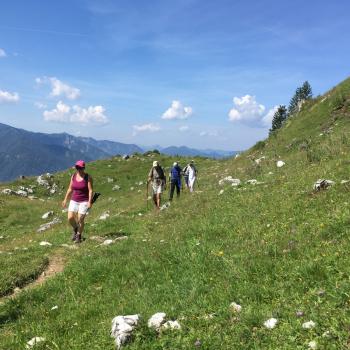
(94, 199)
(147, 183)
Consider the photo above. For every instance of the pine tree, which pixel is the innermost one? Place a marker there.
(279, 118)
(302, 94)
(306, 91)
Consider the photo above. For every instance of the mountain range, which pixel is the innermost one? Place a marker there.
(30, 153)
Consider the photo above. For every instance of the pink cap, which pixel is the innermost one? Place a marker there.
(80, 164)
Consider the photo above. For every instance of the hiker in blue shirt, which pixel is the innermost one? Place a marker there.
(175, 180)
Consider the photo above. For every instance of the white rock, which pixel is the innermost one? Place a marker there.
(21, 193)
(309, 325)
(157, 320)
(48, 225)
(122, 327)
(109, 180)
(175, 325)
(258, 161)
(235, 307)
(115, 188)
(132, 188)
(230, 179)
(322, 184)
(34, 341)
(221, 192)
(132, 320)
(107, 242)
(122, 339)
(104, 216)
(44, 243)
(252, 182)
(165, 206)
(271, 323)
(270, 173)
(54, 307)
(42, 182)
(47, 215)
(280, 163)
(312, 345)
(7, 191)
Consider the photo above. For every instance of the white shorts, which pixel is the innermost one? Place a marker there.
(157, 189)
(78, 207)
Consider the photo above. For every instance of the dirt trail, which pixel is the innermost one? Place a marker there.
(56, 265)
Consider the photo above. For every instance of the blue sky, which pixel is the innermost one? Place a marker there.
(205, 74)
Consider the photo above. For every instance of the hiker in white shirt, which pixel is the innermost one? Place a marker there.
(192, 174)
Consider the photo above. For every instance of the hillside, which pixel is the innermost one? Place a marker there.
(273, 246)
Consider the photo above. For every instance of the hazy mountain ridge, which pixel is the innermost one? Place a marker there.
(29, 153)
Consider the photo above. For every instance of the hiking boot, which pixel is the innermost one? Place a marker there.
(75, 232)
(78, 238)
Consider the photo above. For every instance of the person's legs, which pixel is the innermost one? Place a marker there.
(191, 184)
(81, 218)
(172, 188)
(178, 186)
(72, 219)
(158, 200)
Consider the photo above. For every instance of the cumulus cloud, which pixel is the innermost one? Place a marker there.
(40, 105)
(59, 88)
(9, 97)
(248, 111)
(76, 114)
(267, 119)
(2, 53)
(177, 111)
(209, 133)
(145, 128)
(183, 128)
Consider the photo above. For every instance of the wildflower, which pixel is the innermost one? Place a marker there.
(309, 325)
(235, 307)
(271, 323)
(312, 345)
(221, 253)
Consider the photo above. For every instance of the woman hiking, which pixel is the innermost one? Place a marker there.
(80, 194)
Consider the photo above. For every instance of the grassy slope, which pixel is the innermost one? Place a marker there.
(274, 248)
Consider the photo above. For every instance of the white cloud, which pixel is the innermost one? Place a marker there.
(58, 114)
(59, 88)
(267, 119)
(76, 114)
(209, 133)
(248, 111)
(145, 128)
(6, 96)
(92, 114)
(183, 128)
(177, 111)
(2, 53)
(40, 105)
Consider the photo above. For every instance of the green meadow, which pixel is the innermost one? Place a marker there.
(276, 248)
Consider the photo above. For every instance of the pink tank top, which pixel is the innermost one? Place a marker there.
(80, 189)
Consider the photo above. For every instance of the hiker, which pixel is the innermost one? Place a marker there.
(185, 171)
(158, 179)
(80, 194)
(175, 180)
(192, 174)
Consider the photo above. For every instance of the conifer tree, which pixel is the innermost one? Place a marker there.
(279, 118)
(306, 91)
(302, 93)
